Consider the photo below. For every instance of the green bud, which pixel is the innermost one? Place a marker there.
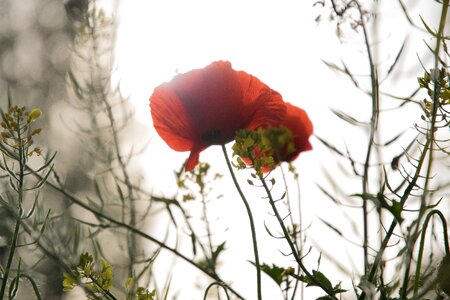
(34, 114)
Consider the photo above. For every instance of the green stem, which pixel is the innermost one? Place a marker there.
(297, 241)
(373, 131)
(426, 149)
(252, 223)
(33, 285)
(390, 231)
(126, 226)
(298, 259)
(431, 138)
(213, 284)
(422, 243)
(10, 256)
(12, 250)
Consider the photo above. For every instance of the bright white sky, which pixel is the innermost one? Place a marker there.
(280, 43)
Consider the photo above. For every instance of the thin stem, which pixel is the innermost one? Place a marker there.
(373, 130)
(213, 284)
(132, 246)
(208, 228)
(430, 136)
(422, 242)
(252, 223)
(12, 250)
(298, 259)
(105, 291)
(298, 241)
(126, 226)
(390, 231)
(33, 285)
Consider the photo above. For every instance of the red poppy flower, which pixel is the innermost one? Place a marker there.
(205, 107)
(279, 143)
(298, 122)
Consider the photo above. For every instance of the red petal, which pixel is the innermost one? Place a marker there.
(193, 159)
(213, 100)
(262, 105)
(170, 119)
(298, 122)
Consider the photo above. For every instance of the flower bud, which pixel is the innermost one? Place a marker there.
(34, 114)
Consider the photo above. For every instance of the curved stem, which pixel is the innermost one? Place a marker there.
(298, 259)
(126, 226)
(431, 137)
(252, 223)
(33, 284)
(422, 242)
(390, 231)
(213, 284)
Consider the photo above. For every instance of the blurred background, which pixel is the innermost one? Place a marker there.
(91, 67)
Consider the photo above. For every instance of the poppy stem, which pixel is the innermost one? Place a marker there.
(294, 251)
(252, 223)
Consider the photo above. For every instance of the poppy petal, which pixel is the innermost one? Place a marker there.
(170, 119)
(298, 122)
(263, 106)
(213, 99)
(193, 159)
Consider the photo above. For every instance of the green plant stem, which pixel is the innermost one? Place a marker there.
(132, 245)
(213, 284)
(298, 259)
(373, 129)
(33, 285)
(252, 223)
(126, 226)
(22, 163)
(430, 136)
(104, 291)
(422, 243)
(12, 251)
(138, 232)
(297, 241)
(426, 149)
(390, 231)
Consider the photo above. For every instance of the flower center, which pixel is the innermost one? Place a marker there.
(213, 137)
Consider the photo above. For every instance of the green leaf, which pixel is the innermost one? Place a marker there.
(274, 272)
(396, 210)
(337, 289)
(428, 28)
(216, 253)
(322, 279)
(304, 278)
